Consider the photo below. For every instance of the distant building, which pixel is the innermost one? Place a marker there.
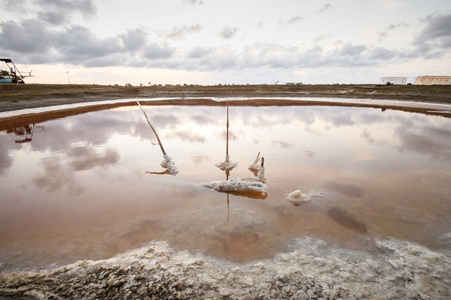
(430, 80)
(393, 80)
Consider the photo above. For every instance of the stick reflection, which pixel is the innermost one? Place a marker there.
(254, 188)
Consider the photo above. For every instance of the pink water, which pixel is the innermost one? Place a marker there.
(79, 189)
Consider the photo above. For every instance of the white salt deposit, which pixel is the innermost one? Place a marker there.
(237, 185)
(261, 174)
(297, 197)
(312, 269)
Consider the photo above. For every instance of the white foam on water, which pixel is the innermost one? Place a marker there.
(311, 269)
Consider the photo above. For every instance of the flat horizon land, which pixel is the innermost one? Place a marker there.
(21, 96)
(25, 96)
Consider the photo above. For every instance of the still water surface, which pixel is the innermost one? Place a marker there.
(91, 186)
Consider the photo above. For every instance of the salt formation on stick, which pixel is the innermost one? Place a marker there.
(226, 165)
(261, 173)
(168, 164)
(255, 165)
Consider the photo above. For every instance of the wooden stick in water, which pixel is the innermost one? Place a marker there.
(227, 125)
(153, 129)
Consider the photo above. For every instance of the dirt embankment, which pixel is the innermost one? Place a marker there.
(20, 96)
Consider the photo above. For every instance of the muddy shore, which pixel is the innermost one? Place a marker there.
(21, 96)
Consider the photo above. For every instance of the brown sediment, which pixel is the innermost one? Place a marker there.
(34, 118)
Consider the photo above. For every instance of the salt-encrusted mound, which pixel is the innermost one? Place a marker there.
(298, 197)
(237, 185)
(311, 270)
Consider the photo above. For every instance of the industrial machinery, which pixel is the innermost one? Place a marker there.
(13, 75)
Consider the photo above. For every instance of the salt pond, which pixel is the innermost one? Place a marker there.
(90, 186)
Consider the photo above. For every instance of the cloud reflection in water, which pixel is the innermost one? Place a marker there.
(371, 165)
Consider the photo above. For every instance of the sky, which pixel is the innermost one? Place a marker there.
(211, 42)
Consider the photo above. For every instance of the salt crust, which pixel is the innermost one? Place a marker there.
(312, 269)
(237, 185)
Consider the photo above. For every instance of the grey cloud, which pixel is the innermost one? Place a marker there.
(326, 7)
(155, 51)
(390, 28)
(293, 20)
(86, 158)
(53, 17)
(347, 55)
(27, 37)
(199, 52)
(424, 139)
(81, 43)
(76, 45)
(351, 50)
(432, 41)
(194, 2)
(380, 53)
(181, 32)
(228, 32)
(14, 5)
(134, 39)
(342, 120)
(7, 145)
(187, 135)
(437, 26)
(57, 176)
(58, 12)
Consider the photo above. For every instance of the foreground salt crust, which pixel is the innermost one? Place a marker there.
(311, 270)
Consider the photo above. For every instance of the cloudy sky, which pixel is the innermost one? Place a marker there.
(212, 41)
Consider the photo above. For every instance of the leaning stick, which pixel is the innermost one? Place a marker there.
(153, 129)
(227, 125)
